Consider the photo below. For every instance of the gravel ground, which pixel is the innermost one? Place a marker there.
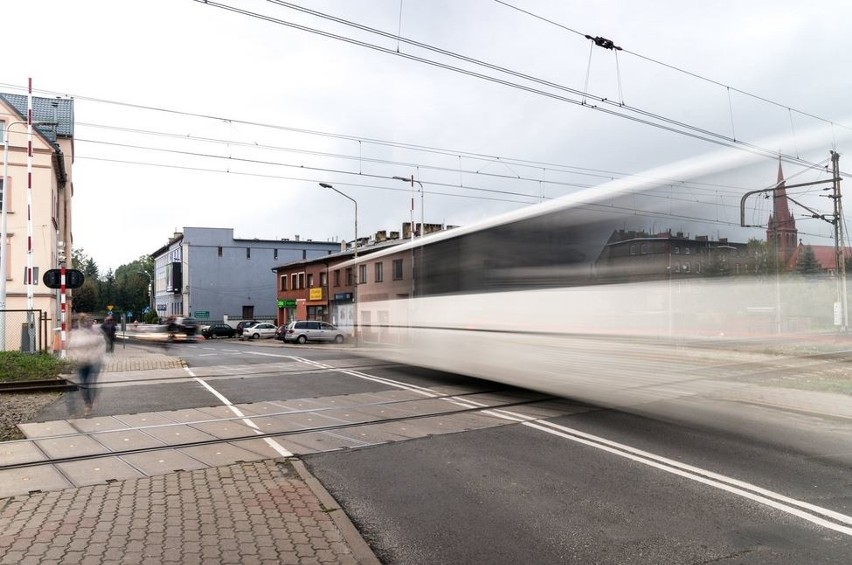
(18, 408)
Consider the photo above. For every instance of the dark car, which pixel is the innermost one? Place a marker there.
(218, 330)
(244, 324)
(280, 332)
(312, 330)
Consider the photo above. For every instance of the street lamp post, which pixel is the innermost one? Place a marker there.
(150, 289)
(4, 225)
(412, 180)
(355, 253)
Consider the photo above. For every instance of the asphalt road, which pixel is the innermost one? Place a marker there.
(690, 482)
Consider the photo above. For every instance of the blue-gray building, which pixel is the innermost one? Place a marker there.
(208, 274)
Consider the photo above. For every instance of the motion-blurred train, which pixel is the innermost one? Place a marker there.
(616, 295)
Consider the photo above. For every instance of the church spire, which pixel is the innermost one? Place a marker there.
(781, 230)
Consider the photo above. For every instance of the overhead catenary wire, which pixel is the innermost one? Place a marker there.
(642, 116)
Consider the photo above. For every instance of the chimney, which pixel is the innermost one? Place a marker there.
(393, 235)
(381, 236)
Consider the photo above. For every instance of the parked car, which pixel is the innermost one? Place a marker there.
(259, 331)
(218, 330)
(312, 330)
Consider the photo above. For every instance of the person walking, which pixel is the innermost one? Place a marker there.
(109, 329)
(86, 348)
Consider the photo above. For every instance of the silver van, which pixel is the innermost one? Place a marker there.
(312, 330)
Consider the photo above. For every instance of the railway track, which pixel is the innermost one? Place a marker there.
(361, 420)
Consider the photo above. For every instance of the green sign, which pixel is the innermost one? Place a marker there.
(288, 303)
(202, 314)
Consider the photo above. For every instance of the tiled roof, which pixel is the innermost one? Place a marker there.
(60, 110)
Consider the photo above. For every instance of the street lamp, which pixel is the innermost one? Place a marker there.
(422, 225)
(150, 289)
(355, 253)
(422, 213)
(3, 225)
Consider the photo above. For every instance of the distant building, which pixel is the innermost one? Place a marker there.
(639, 256)
(782, 232)
(319, 289)
(208, 274)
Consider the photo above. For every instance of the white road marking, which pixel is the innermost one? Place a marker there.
(247, 421)
(804, 510)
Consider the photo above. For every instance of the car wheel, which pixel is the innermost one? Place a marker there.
(302, 339)
(338, 339)
(254, 336)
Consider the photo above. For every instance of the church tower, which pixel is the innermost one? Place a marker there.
(781, 231)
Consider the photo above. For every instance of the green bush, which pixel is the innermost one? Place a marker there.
(18, 366)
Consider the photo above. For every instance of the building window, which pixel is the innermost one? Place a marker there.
(379, 272)
(219, 251)
(350, 279)
(337, 277)
(248, 252)
(397, 269)
(686, 267)
(294, 281)
(677, 250)
(301, 280)
(686, 250)
(644, 249)
(3, 197)
(362, 274)
(283, 282)
(633, 249)
(323, 279)
(310, 280)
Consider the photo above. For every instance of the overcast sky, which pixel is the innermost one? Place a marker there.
(191, 115)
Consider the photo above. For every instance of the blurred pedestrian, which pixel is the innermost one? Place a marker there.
(109, 329)
(86, 348)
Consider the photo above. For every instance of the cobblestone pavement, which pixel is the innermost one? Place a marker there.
(270, 511)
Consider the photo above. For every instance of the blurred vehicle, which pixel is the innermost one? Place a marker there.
(591, 295)
(304, 331)
(218, 330)
(183, 325)
(260, 330)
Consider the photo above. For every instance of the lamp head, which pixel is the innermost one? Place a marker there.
(325, 185)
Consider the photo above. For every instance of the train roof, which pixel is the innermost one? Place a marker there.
(655, 177)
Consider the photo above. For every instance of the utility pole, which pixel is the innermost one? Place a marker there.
(839, 244)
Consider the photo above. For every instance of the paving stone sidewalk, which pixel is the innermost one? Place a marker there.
(271, 511)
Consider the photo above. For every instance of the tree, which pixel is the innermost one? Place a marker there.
(807, 263)
(759, 251)
(81, 261)
(133, 284)
(87, 297)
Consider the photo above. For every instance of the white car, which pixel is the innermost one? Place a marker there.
(260, 330)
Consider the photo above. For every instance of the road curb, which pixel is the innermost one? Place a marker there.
(360, 549)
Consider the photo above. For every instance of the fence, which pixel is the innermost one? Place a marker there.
(24, 330)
